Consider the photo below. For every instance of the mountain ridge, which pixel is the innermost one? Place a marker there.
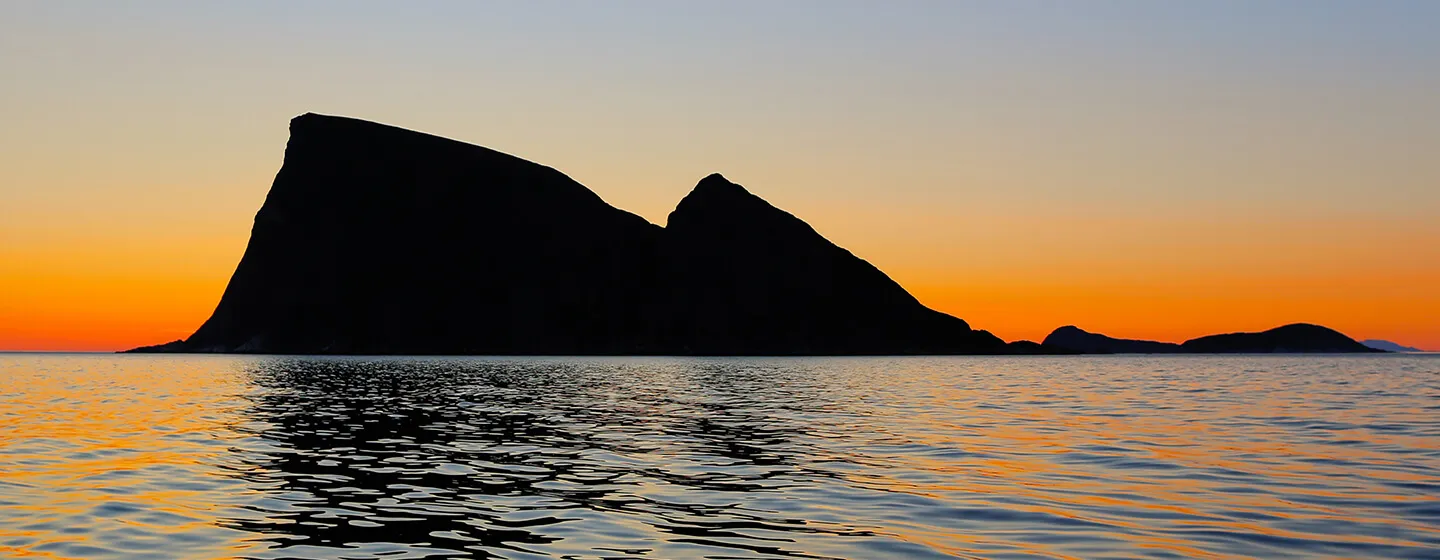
(376, 239)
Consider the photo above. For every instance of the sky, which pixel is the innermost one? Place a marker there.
(1157, 170)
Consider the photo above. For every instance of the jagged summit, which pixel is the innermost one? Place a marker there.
(380, 240)
(718, 181)
(717, 202)
(716, 196)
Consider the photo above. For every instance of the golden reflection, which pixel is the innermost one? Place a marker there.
(1029, 454)
(107, 441)
(969, 457)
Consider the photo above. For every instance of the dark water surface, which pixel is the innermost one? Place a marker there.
(107, 456)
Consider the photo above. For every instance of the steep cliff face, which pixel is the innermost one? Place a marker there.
(379, 240)
(376, 239)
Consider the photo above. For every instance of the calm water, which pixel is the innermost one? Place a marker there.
(206, 457)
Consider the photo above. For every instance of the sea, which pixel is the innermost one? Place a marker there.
(269, 457)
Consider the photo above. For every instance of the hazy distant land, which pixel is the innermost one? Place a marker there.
(1389, 346)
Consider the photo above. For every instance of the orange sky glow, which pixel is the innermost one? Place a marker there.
(1135, 174)
(96, 293)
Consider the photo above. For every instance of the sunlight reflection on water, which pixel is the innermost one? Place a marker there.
(272, 457)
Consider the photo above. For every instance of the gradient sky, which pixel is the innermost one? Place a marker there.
(1144, 169)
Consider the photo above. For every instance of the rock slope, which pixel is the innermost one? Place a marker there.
(379, 240)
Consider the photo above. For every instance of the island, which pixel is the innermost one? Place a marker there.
(1293, 338)
(379, 240)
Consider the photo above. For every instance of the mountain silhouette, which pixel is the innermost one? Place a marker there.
(746, 275)
(1298, 337)
(1389, 346)
(1073, 338)
(379, 240)
(375, 239)
(1294, 338)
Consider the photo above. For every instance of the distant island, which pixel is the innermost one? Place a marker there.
(1295, 338)
(379, 240)
(1388, 346)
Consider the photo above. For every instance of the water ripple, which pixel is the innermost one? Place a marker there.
(1123, 457)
